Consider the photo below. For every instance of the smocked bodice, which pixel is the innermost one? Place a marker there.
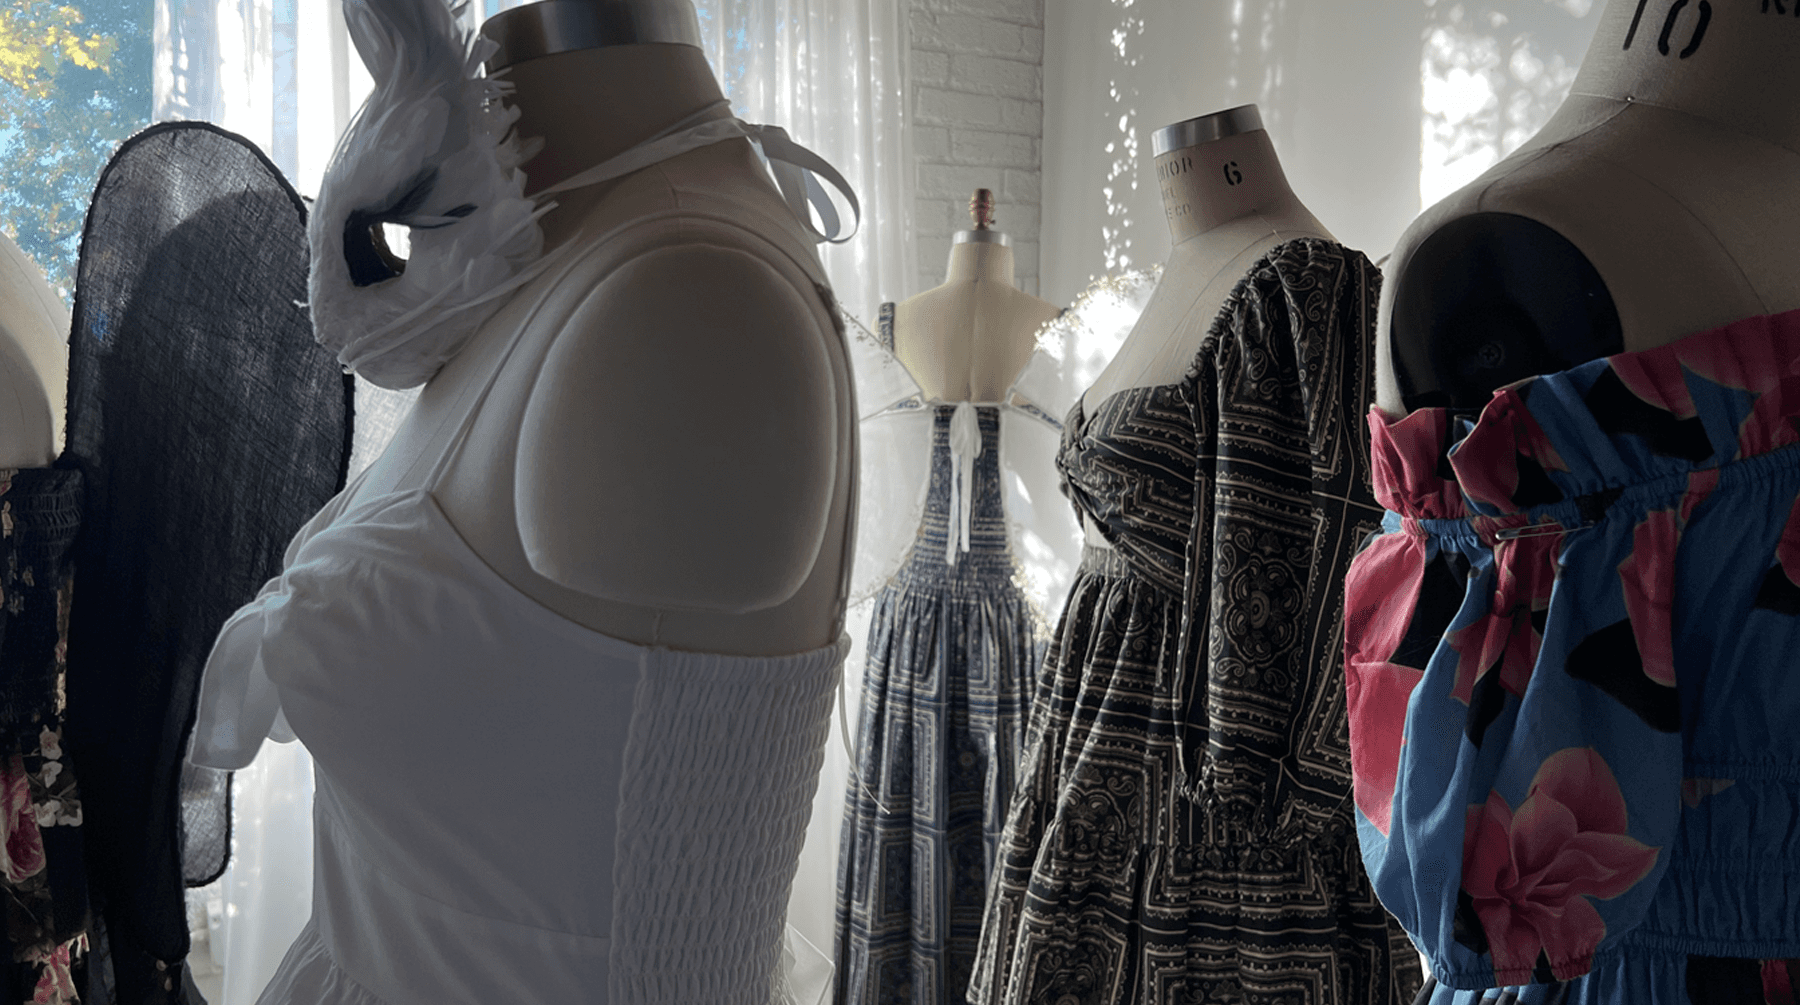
(988, 548)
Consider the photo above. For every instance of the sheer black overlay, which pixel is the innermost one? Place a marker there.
(208, 426)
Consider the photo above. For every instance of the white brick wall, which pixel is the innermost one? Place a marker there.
(978, 122)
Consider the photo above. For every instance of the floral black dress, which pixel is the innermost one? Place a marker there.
(1207, 639)
(41, 868)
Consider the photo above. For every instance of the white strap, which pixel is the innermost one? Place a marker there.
(701, 129)
(797, 173)
(797, 170)
(965, 446)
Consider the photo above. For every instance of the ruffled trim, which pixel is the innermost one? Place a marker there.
(1411, 464)
(1696, 404)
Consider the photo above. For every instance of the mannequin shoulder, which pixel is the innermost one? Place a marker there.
(1025, 306)
(1602, 243)
(679, 447)
(946, 298)
(33, 371)
(1486, 298)
(1644, 229)
(683, 315)
(1004, 304)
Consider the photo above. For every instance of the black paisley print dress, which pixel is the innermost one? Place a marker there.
(1182, 829)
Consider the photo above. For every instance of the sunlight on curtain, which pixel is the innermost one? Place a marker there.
(1337, 85)
(284, 74)
(1377, 109)
(1491, 74)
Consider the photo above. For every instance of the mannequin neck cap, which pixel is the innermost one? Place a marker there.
(552, 26)
(1205, 129)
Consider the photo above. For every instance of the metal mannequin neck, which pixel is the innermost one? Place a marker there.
(981, 237)
(1205, 129)
(552, 26)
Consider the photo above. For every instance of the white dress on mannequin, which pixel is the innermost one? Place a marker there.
(605, 849)
(508, 805)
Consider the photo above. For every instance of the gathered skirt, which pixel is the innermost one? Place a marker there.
(1111, 889)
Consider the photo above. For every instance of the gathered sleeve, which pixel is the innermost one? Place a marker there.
(1282, 498)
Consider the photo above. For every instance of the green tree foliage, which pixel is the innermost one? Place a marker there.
(74, 82)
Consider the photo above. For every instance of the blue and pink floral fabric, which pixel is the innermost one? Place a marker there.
(1573, 673)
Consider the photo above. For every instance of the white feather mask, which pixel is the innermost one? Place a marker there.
(432, 149)
(429, 150)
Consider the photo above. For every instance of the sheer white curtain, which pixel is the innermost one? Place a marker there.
(1377, 109)
(284, 74)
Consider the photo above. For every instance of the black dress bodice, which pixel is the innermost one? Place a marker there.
(1129, 468)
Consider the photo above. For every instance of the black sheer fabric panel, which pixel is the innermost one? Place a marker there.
(208, 426)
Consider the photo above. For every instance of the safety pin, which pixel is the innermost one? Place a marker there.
(1536, 530)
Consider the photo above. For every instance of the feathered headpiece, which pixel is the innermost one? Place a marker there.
(430, 150)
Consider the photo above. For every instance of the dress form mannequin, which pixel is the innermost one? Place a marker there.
(1227, 201)
(33, 364)
(1658, 201)
(605, 474)
(968, 339)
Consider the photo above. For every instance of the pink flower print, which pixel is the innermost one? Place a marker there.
(50, 743)
(1488, 459)
(23, 845)
(1405, 455)
(1753, 354)
(1657, 377)
(56, 985)
(1700, 485)
(1767, 427)
(1530, 872)
(1381, 591)
(1648, 578)
(1377, 695)
(1506, 638)
(1757, 355)
(1778, 981)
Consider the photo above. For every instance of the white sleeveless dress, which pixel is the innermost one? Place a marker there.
(511, 807)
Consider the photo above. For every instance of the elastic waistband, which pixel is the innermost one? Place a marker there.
(1583, 512)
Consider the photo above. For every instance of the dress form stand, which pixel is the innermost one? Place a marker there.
(1657, 202)
(664, 457)
(1227, 202)
(968, 339)
(33, 363)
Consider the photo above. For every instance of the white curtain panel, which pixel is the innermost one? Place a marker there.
(1377, 109)
(283, 74)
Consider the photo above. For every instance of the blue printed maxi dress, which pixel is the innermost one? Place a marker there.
(1573, 668)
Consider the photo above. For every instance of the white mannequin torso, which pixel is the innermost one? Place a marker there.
(1227, 203)
(605, 475)
(968, 339)
(34, 369)
(1671, 178)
